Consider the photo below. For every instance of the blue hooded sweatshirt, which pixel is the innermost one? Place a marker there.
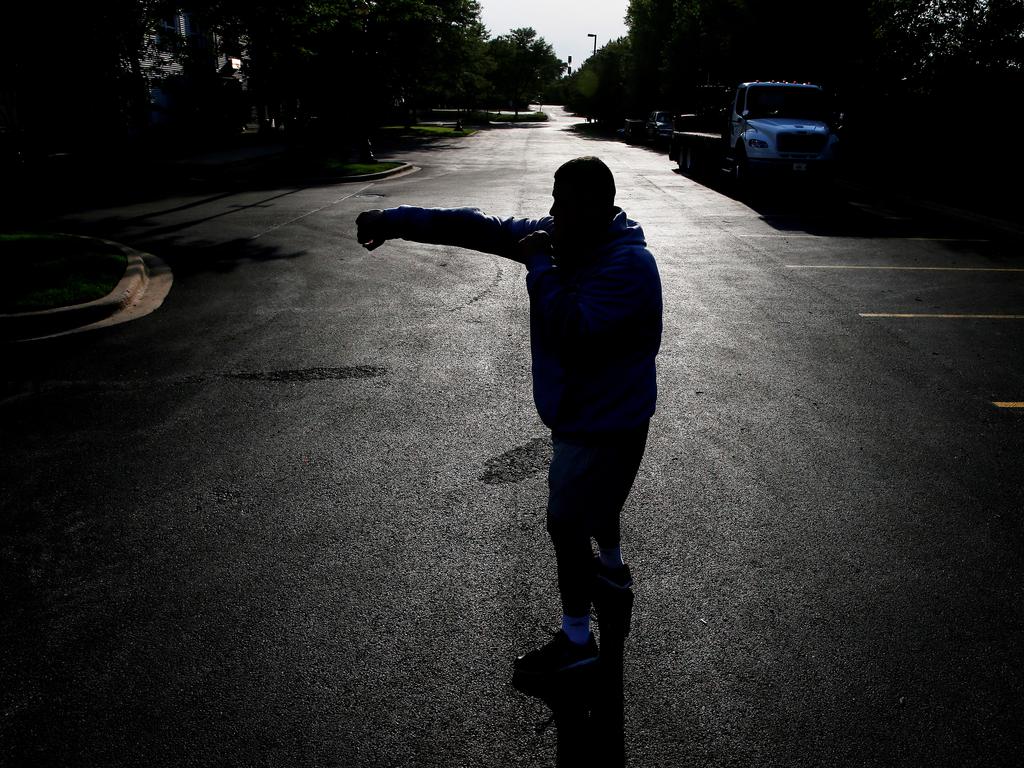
(594, 330)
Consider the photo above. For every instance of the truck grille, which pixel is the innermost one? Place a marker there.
(797, 142)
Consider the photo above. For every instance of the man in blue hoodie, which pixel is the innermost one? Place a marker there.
(595, 329)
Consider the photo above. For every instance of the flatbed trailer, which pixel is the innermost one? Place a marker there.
(697, 151)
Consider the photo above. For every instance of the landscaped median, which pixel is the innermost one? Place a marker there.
(341, 168)
(55, 282)
(481, 117)
(423, 132)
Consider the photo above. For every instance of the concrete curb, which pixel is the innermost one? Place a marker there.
(21, 326)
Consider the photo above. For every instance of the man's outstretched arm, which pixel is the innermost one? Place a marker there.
(462, 227)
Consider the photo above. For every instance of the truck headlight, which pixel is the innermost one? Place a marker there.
(758, 143)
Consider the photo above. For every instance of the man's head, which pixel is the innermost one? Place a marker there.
(584, 203)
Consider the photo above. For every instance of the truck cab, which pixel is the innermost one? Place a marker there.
(777, 127)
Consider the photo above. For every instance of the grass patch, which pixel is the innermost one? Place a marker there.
(524, 117)
(424, 131)
(342, 168)
(484, 117)
(47, 271)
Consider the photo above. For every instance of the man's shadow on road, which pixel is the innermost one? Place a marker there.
(587, 704)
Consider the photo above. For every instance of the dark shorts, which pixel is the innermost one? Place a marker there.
(589, 480)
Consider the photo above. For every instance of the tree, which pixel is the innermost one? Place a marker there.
(89, 90)
(933, 43)
(353, 61)
(465, 79)
(652, 24)
(279, 42)
(682, 44)
(419, 47)
(599, 89)
(523, 65)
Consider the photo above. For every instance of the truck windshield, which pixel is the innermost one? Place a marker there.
(798, 103)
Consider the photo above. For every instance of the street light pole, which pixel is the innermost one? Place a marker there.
(595, 41)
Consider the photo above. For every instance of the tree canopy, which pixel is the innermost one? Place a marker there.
(524, 64)
(876, 54)
(338, 62)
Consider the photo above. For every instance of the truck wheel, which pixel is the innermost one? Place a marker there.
(690, 162)
(740, 169)
(687, 160)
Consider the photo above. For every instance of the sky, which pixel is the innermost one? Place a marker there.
(563, 23)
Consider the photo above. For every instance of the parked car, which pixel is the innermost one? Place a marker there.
(634, 131)
(659, 127)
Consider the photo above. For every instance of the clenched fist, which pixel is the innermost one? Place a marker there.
(533, 243)
(371, 230)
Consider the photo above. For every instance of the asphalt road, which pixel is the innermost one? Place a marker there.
(295, 516)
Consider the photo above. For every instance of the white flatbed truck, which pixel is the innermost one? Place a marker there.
(770, 129)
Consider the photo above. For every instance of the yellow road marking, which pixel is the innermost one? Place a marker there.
(922, 269)
(793, 236)
(1008, 405)
(941, 316)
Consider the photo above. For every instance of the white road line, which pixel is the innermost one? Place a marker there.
(310, 213)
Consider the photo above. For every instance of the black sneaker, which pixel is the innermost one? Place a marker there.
(559, 654)
(614, 578)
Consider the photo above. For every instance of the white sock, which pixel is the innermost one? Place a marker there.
(577, 628)
(611, 557)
